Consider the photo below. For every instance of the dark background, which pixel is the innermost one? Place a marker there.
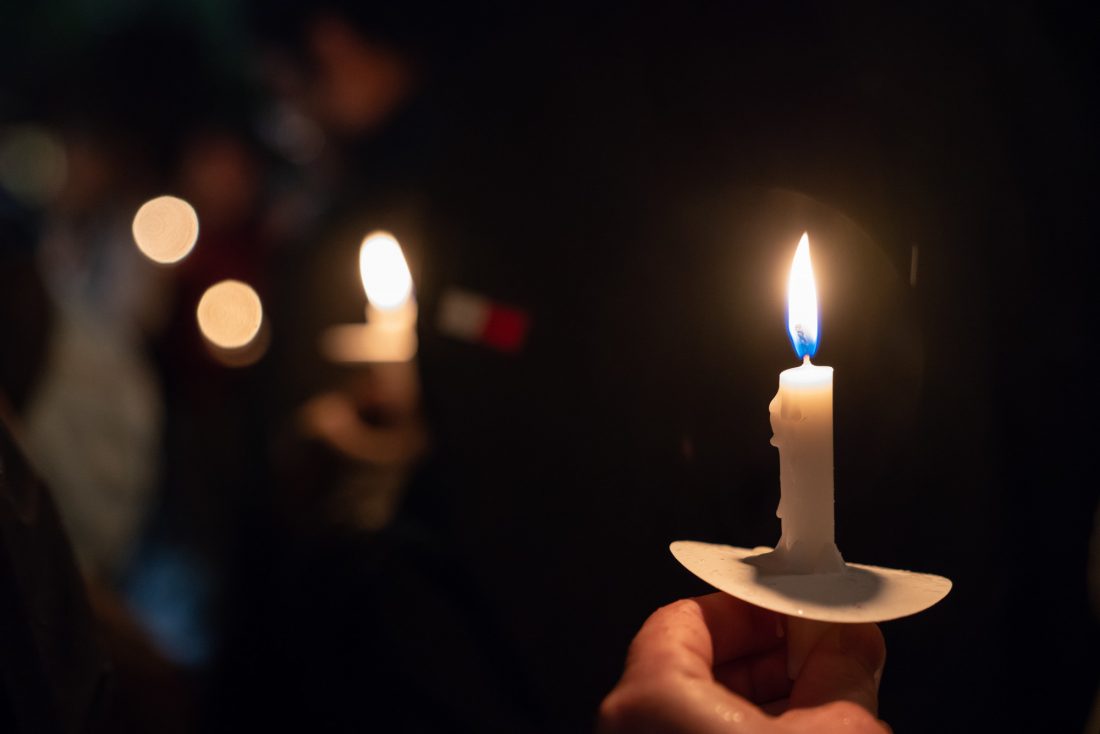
(632, 179)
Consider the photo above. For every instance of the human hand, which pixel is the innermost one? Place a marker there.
(373, 417)
(717, 664)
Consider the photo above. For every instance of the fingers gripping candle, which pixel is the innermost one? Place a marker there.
(802, 427)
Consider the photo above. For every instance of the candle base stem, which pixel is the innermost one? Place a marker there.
(793, 559)
(802, 636)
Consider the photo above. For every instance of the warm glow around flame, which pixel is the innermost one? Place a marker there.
(385, 273)
(802, 318)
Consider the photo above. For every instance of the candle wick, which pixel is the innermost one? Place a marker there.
(806, 361)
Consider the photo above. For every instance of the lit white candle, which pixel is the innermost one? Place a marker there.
(391, 308)
(390, 332)
(805, 577)
(802, 424)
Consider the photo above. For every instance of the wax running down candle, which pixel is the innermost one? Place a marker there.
(802, 427)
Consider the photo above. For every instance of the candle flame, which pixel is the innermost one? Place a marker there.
(802, 317)
(385, 274)
(165, 229)
(230, 314)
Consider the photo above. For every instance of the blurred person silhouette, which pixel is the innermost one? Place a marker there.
(27, 311)
(100, 426)
(97, 423)
(94, 424)
(54, 673)
(137, 690)
(350, 79)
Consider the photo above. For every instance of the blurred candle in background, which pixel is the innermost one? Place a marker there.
(390, 335)
(388, 284)
(231, 319)
(165, 229)
(390, 332)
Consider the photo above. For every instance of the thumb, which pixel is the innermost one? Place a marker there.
(845, 665)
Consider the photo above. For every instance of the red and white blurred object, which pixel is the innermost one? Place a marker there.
(389, 334)
(474, 318)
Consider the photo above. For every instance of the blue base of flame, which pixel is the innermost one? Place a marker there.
(803, 345)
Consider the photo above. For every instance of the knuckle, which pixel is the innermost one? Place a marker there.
(666, 617)
(678, 607)
(855, 718)
(678, 613)
(609, 717)
(618, 710)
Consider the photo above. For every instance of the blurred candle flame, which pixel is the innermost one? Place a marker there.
(802, 316)
(165, 229)
(230, 314)
(385, 274)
